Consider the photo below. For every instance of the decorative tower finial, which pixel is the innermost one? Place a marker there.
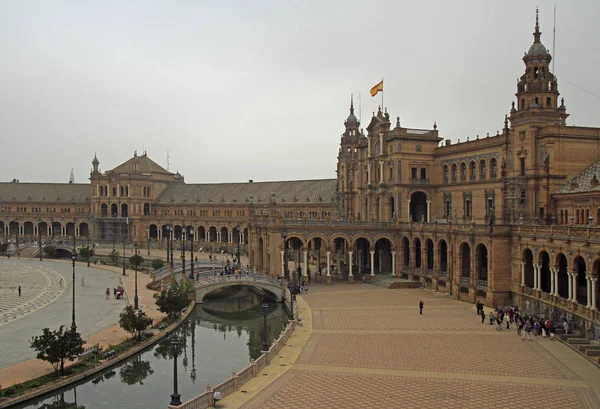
(537, 33)
(351, 104)
(95, 163)
(434, 125)
(397, 122)
(72, 177)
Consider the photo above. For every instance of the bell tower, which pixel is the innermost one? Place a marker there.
(537, 89)
(347, 167)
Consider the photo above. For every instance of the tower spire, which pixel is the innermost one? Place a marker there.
(351, 104)
(537, 33)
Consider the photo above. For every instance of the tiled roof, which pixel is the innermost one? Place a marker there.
(145, 164)
(44, 192)
(298, 191)
(586, 181)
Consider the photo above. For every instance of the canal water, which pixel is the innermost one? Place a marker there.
(219, 337)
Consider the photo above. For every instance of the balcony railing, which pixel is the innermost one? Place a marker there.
(465, 281)
(482, 283)
(419, 181)
(429, 272)
(443, 274)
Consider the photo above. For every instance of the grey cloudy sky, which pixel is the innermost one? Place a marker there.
(259, 90)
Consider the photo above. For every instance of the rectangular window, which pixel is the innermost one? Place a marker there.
(549, 102)
(468, 209)
(522, 166)
(542, 215)
(114, 191)
(423, 173)
(413, 173)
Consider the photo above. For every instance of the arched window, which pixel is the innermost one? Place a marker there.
(377, 149)
(482, 170)
(493, 168)
(445, 172)
(472, 175)
(463, 172)
(454, 173)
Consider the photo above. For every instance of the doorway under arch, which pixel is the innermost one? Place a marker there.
(418, 207)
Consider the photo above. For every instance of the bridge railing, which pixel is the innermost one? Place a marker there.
(165, 271)
(253, 277)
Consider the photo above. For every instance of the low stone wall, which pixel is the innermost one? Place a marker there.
(48, 388)
(236, 380)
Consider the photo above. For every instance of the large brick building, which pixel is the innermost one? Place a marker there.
(511, 217)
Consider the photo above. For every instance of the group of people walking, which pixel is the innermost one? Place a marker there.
(527, 325)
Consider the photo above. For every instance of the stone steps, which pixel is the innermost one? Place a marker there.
(578, 341)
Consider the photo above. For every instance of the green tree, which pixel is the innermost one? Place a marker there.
(157, 263)
(4, 248)
(135, 371)
(50, 251)
(86, 253)
(57, 346)
(136, 260)
(173, 299)
(134, 321)
(114, 257)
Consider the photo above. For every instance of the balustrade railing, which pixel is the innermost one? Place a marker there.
(482, 283)
(465, 281)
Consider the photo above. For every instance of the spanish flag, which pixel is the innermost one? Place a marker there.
(375, 90)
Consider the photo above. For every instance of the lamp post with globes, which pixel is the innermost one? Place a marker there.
(175, 396)
(182, 239)
(191, 236)
(265, 310)
(238, 245)
(171, 234)
(73, 258)
(135, 299)
(168, 234)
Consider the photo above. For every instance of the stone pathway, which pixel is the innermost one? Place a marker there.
(370, 347)
(39, 287)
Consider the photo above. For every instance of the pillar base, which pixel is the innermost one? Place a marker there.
(328, 279)
(350, 279)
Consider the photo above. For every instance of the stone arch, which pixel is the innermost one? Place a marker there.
(2, 228)
(528, 267)
(245, 235)
(324, 239)
(443, 254)
(56, 229)
(545, 273)
(430, 255)
(212, 234)
(445, 173)
(405, 252)
(362, 249)
(579, 269)
(28, 228)
(465, 260)
(84, 229)
(417, 253)
(103, 210)
(418, 206)
(153, 231)
(481, 253)
(70, 229)
(224, 234)
(177, 232)
(201, 233)
(493, 168)
(42, 228)
(454, 171)
(463, 171)
(114, 210)
(482, 169)
(472, 170)
(124, 210)
(562, 276)
(383, 255)
(13, 228)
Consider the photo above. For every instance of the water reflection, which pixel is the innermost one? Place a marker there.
(218, 338)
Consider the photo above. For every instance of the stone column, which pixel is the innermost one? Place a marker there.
(393, 264)
(35, 230)
(380, 172)
(76, 231)
(588, 287)
(594, 279)
(380, 260)
(369, 147)
(148, 232)
(305, 269)
(368, 179)
(429, 211)
(350, 276)
(535, 276)
(574, 287)
(372, 263)
(328, 267)
(551, 280)
(556, 281)
(282, 263)
(522, 274)
(570, 280)
(359, 261)
(408, 211)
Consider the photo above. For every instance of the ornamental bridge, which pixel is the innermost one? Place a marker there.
(210, 283)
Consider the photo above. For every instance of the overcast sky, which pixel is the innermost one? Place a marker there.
(260, 89)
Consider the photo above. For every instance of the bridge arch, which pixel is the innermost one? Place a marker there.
(275, 289)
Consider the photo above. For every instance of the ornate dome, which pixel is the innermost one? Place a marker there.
(537, 49)
(352, 118)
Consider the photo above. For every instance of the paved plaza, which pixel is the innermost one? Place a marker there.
(46, 301)
(365, 346)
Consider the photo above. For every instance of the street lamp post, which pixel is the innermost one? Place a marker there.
(286, 273)
(168, 234)
(135, 299)
(265, 309)
(175, 397)
(182, 240)
(292, 288)
(123, 254)
(148, 245)
(40, 238)
(171, 234)
(191, 235)
(238, 245)
(73, 258)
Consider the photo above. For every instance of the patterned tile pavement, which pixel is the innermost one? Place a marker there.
(370, 347)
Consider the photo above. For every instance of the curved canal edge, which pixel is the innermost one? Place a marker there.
(109, 363)
(280, 352)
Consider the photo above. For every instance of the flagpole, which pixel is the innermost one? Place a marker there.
(381, 94)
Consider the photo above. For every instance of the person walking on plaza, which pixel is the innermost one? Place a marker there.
(491, 317)
(421, 304)
(19, 291)
(107, 292)
(565, 324)
(527, 330)
(482, 316)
